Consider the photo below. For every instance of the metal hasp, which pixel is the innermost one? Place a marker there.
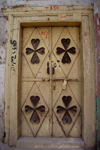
(35, 117)
(66, 58)
(35, 43)
(66, 118)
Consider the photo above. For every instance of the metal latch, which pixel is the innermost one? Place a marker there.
(54, 85)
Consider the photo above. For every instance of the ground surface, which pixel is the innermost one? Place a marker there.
(5, 147)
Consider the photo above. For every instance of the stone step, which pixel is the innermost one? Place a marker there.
(49, 143)
(48, 149)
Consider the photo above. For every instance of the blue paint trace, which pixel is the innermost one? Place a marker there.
(98, 118)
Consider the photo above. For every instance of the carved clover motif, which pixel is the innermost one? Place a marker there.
(35, 59)
(66, 118)
(35, 117)
(66, 58)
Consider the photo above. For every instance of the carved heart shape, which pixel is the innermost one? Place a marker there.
(73, 109)
(34, 100)
(65, 42)
(35, 43)
(60, 109)
(35, 118)
(35, 59)
(28, 109)
(66, 100)
(66, 118)
(66, 58)
(41, 109)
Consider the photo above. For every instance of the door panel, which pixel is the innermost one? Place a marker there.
(66, 110)
(67, 104)
(50, 83)
(65, 34)
(35, 89)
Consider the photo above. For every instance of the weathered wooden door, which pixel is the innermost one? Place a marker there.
(51, 82)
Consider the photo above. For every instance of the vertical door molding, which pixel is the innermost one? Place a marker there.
(88, 104)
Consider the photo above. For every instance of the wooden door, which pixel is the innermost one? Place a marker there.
(51, 82)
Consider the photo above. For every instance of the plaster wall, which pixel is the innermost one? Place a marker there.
(51, 2)
(3, 36)
(97, 40)
(3, 41)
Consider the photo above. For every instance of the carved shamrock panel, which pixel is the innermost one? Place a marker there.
(66, 58)
(35, 109)
(35, 58)
(35, 117)
(66, 48)
(66, 118)
(35, 51)
(66, 110)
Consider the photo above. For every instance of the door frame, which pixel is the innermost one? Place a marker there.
(50, 16)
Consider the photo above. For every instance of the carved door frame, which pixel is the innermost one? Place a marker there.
(50, 16)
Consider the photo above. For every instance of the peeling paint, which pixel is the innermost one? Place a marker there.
(88, 54)
(2, 54)
(3, 30)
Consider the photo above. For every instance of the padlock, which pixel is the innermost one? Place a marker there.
(64, 85)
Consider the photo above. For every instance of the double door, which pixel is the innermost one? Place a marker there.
(50, 82)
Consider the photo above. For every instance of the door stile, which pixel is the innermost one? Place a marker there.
(51, 103)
